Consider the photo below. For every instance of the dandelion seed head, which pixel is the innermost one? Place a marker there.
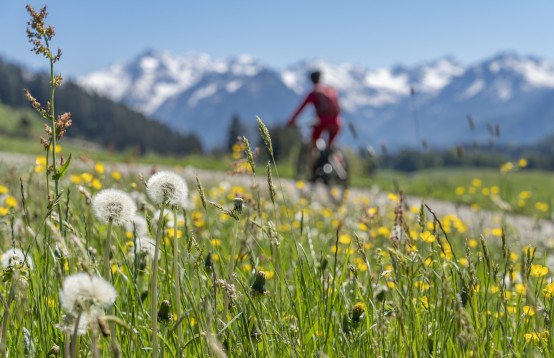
(146, 245)
(113, 205)
(139, 224)
(167, 188)
(15, 256)
(91, 290)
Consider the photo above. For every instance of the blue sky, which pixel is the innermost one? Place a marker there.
(372, 33)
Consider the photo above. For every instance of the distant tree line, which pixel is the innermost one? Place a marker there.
(95, 118)
(539, 156)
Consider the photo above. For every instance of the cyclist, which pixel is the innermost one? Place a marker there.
(325, 101)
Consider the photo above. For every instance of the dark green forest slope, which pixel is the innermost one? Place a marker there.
(95, 119)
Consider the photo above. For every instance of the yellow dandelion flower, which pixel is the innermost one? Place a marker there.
(476, 182)
(522, 163)
(393, 197)
(524, 195)
(529, 310)
(423, 286)
(383, 231)
(463, 261)
(538, 270)
(96, 184)
(215, 242)
(75, 179)
(4, 211)
(391, 284)
(40, 164)
(300, 184)
(115, 269)
(3, 189)
(506, 167)
(473, 243)
(345, 239)
(427, 237)
(116, 175)
(10, 201)
(511, 309)
(247, 267)
(460, 190)
(372, 211)
(86, 177)
(424, 302)
(99, 168)
(362, 266)
(541, 206)
(548, 290)
(497, 232)
(520, 288)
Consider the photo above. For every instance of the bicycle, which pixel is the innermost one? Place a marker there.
(331, 169)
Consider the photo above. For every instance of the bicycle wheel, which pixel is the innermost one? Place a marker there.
(336, 176)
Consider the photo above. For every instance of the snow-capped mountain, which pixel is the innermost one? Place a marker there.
(397, 106)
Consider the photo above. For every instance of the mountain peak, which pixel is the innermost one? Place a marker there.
(197, 92)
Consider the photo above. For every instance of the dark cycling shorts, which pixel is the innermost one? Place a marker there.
(331, 128)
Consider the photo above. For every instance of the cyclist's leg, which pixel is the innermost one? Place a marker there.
(316, 134)
(333, 130)
(336, 155)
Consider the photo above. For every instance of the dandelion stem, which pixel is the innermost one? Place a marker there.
(177, 281)
(154, 292)
(107, 250)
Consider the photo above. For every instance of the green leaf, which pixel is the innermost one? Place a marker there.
(62, 169)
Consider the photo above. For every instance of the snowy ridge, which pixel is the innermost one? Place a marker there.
(197, 93)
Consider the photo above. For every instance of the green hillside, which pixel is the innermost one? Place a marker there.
(95, 118)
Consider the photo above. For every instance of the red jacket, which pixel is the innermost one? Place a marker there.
(325, 101)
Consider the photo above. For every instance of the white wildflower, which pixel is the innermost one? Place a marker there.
(91, 291)
(15, 256)
(167, 188)
(113, 205)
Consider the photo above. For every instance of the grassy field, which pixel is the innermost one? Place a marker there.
(281, 277)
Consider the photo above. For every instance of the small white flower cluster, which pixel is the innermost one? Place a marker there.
(167, 188)
(113, 205)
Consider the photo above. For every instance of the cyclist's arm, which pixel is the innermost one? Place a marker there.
(309, 99)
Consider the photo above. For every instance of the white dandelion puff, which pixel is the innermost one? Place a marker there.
(113, 205)
(15, 256)
(167, 188)
(146, 245)
(91, 291)
(139, 224)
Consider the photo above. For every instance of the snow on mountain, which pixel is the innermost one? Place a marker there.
(197, 93)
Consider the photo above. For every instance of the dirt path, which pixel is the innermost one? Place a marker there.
(521, 229)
